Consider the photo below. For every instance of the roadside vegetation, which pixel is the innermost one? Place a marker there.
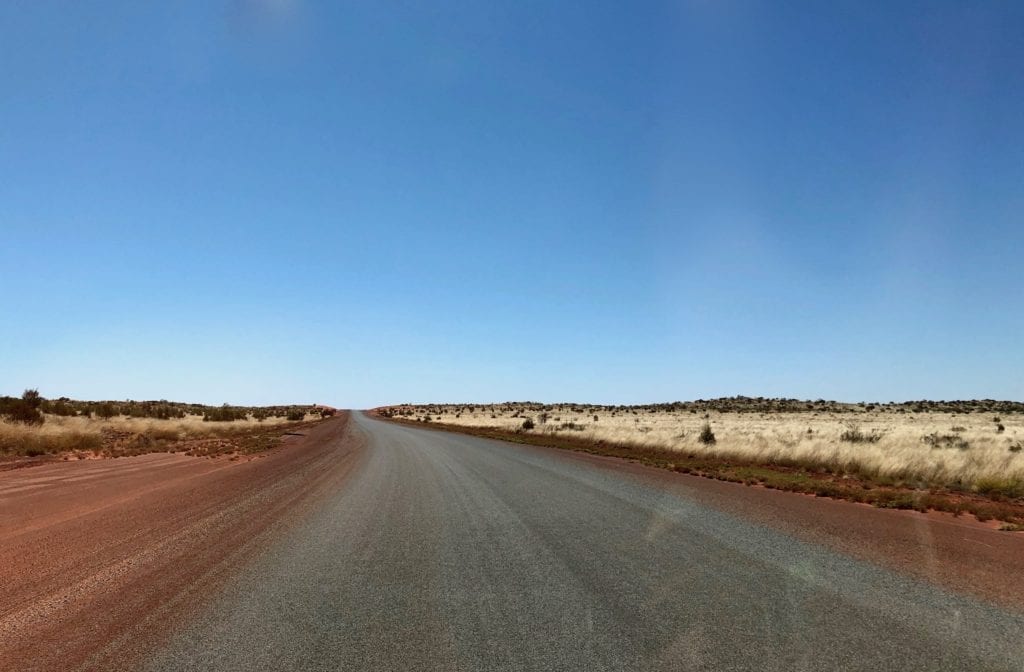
(34, 427)
(956, 456)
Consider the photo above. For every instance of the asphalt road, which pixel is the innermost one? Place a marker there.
(449, 552)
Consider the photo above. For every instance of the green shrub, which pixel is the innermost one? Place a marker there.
(1000, 487)
(707, 436)
(107, 410)
(528, 424)
(60, 408)
(224, 413)
(22, 410)
(32, 398)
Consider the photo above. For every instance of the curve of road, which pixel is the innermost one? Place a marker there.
(450, 552)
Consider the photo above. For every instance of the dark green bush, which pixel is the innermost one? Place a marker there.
(32, 398)
(59, 407)
(107, 410)
(707, 437)
(24, 410)
(224, 413)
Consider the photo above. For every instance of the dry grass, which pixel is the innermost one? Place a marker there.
(122, 435)
(32, 440)
(961, 451)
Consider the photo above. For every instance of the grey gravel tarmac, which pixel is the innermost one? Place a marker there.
(451, 552)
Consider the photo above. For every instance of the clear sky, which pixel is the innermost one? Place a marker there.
(366, 203)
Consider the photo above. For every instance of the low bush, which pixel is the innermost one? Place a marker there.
(164, 434)
(60, 408)
(707, 436)
(855, 435)
(937, 440)
(107, 410)
(1000, 487)
(225, 413)
(25, 410)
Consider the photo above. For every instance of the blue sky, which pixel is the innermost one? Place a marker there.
(366, 203)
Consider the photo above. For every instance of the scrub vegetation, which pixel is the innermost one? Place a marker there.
(33, 427)
(905, 455)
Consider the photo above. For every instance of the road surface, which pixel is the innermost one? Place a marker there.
(450, 552)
